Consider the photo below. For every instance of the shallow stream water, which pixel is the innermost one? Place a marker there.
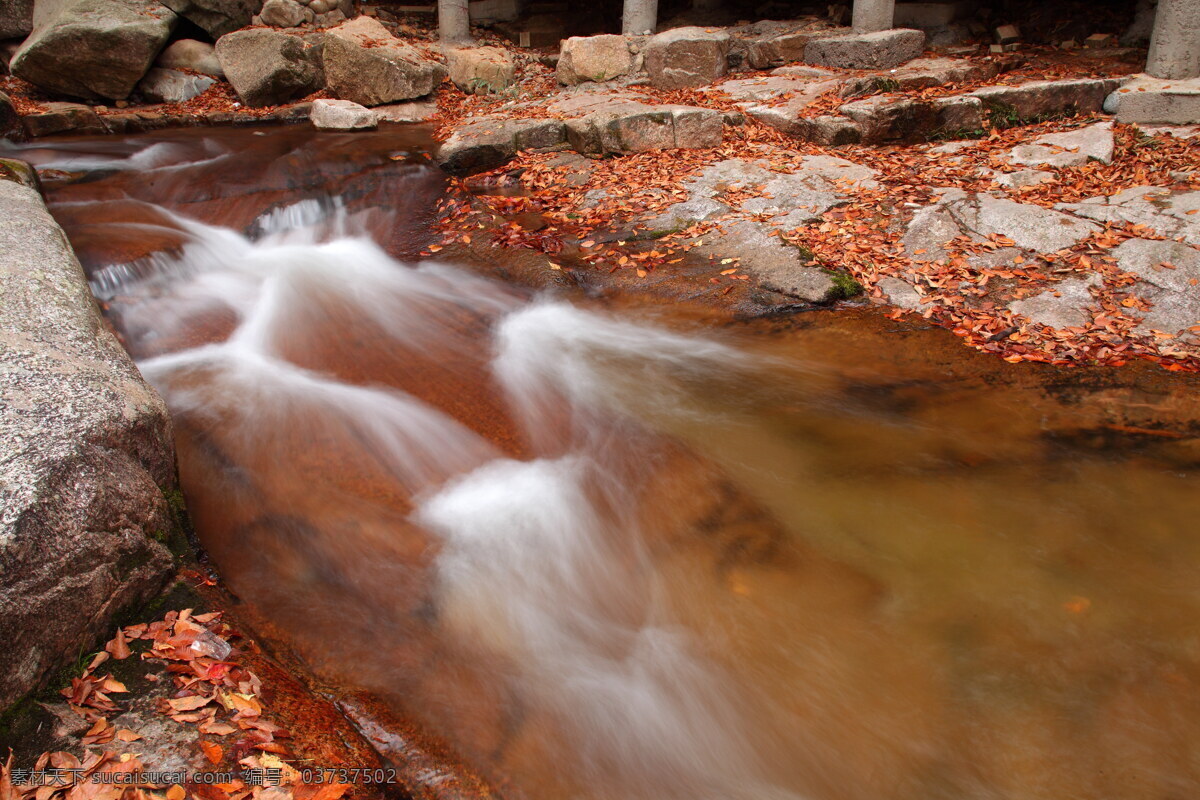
(606, 552)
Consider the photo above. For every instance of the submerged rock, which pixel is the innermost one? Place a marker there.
(93, 48)
(88, 454)
(366, 64)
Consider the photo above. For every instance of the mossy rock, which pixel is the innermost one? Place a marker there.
(19, 172)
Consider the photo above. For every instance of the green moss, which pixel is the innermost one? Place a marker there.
(845, 286)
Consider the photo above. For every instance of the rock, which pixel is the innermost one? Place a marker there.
(1043, 98)
(686, 57)
(1175, 301)
(216, 17)
(285, 14)
(923, 73)
(1147, 99)
(879, 50)
(172, 86)
(341, 115)
(268, 67)
(416, 111)
(829, 130)
(10, 120)
(88, 455)
(779, 49)
(889, 119)
(776, 265)
(1163, 210)
(636, 128)
(1069, 149)
(1008, 34)
(1032, 228)
(63, 118)
(190, 54)
(1099, 41)
(594, 58)
(16, 19)
(93, 48)
(481, 70)
(900, 293)
(1024, 177)
(1064, 305)
(490, 143)
(366, 64)
(21, 172)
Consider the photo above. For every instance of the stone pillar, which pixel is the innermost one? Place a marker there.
(454, 21)
(1175, 44)
(640, 16)
(873, 15)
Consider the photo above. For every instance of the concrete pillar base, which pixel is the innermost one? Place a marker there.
(873, 15)
(1175, 44)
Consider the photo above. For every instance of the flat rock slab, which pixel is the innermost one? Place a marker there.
(1032, 228)
(1045, 98)
(638, 128)
(88, 453)
(1152, 100)
(879, 50)
(1163, 210)
(1068, 149)
(902, 119)
(493, 142)
(1170, 280)
(775, 264)
(923, 73)
(1067, 304)
(900, 293)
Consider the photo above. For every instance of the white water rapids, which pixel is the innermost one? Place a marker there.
(540, 562)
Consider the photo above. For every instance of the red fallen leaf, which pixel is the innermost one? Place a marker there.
(118, 648)
(189, 703)
(212, 752)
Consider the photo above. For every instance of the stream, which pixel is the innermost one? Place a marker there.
(607, 548)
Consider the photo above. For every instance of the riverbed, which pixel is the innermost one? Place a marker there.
(607, 546)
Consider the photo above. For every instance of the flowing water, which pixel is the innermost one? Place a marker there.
(607, 553)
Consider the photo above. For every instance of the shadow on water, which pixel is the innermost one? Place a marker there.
(608, 556)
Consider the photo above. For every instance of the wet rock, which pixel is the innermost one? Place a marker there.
(93, 48)
(16, 19)
(1032, 228)
(285, 14)
(415, 111)
(1064, 305)
(88, 453)
(879, 50)
(190, 54)
(1175, 300)
(490, 143)
(10, 120)
(21, 172)
(366, 64)
(1162, 210)
(889, 119)
(1147, 99)
(341, 115)
(480, 70)
(172, 85)
(63, 118)
(1069, 149)
(216, 17)
(636, 128)
(1046, 98)
(268, 67)
(594, 58)
(776, 265)
(686, 57)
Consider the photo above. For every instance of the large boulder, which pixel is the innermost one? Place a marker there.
(480, 70)
(341, 115)
(16, 19)
(87, 457)
(879, 50)
(189, 54)
(366, 64)
(267, 67)
(216, 17)
(93, 49)
(595, 58)
(686, 57)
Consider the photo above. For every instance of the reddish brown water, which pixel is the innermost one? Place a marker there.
(605, 554)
